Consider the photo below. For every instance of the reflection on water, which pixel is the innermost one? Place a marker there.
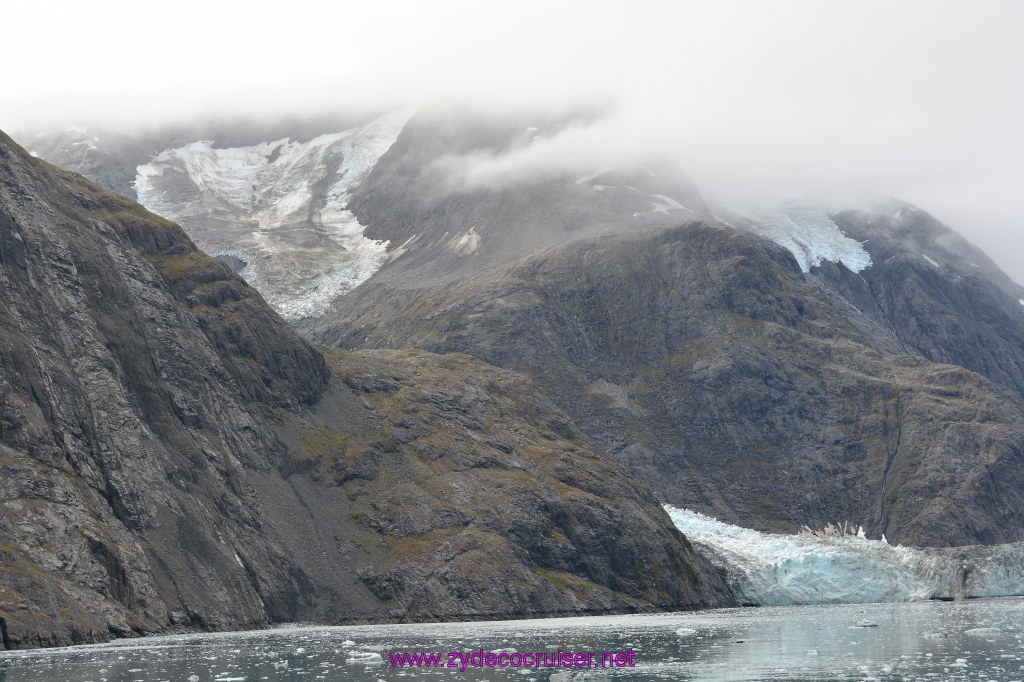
(972, 640)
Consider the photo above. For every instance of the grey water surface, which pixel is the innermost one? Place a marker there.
(967, 640)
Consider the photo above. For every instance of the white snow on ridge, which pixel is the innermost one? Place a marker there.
(772, 570)
(280, 206)
(812, 237)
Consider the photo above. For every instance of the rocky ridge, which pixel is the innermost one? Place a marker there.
(729, 382)
(175, 456)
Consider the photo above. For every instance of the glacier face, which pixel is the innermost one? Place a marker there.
(811, 236)
(278, 209)
(766, 569)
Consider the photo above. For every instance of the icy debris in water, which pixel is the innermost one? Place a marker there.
(982, 632)
(301, 650)
(193, 678)
(363, 657)
(348, 642)
(685, 632)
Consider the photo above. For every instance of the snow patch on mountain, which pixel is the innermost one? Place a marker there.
(811, 236)
(279, 206)
(466, 243)
(771, 570)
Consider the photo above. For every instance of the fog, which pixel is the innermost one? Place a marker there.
(757, 100)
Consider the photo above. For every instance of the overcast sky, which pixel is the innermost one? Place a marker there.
(920, 100)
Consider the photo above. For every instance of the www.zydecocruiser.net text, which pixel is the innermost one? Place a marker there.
(513, 659)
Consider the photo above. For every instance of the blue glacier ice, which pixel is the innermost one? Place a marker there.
(768, 569)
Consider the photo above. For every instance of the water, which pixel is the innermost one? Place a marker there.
(967, 640)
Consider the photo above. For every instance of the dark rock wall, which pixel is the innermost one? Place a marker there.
(727, 381)
(172, 455)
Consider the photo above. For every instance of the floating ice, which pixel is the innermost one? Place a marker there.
(982, 632)
(280, 207)
(768, 569)
(363, 657)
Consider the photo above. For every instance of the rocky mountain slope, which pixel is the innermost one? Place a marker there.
(712, 368)
(446, 215)
(801, 366)
(305, 211)
(174, 455)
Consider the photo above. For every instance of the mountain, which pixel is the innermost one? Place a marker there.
(174, 455)
(716, 372)
(805, 365)
(314, 212)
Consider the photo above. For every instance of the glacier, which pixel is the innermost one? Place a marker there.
(809, 233)
(766, 569)
(278, 207)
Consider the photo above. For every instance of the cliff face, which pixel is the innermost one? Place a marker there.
(943, 298)
(719, 374)
(134, 370)
(174, 455)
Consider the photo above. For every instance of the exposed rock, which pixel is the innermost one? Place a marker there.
(942, 296)
(172, 455)
(769, 390)
(474, 497)
(703, 359)
(445, 223)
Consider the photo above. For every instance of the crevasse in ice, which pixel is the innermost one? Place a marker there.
(812, 237)
(280, 207)
(770, 569)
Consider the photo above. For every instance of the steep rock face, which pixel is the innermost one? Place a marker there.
(943, 297)
(170, 455)
(436, 198)
(706, 363)
(471, 495)
(133, 371)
